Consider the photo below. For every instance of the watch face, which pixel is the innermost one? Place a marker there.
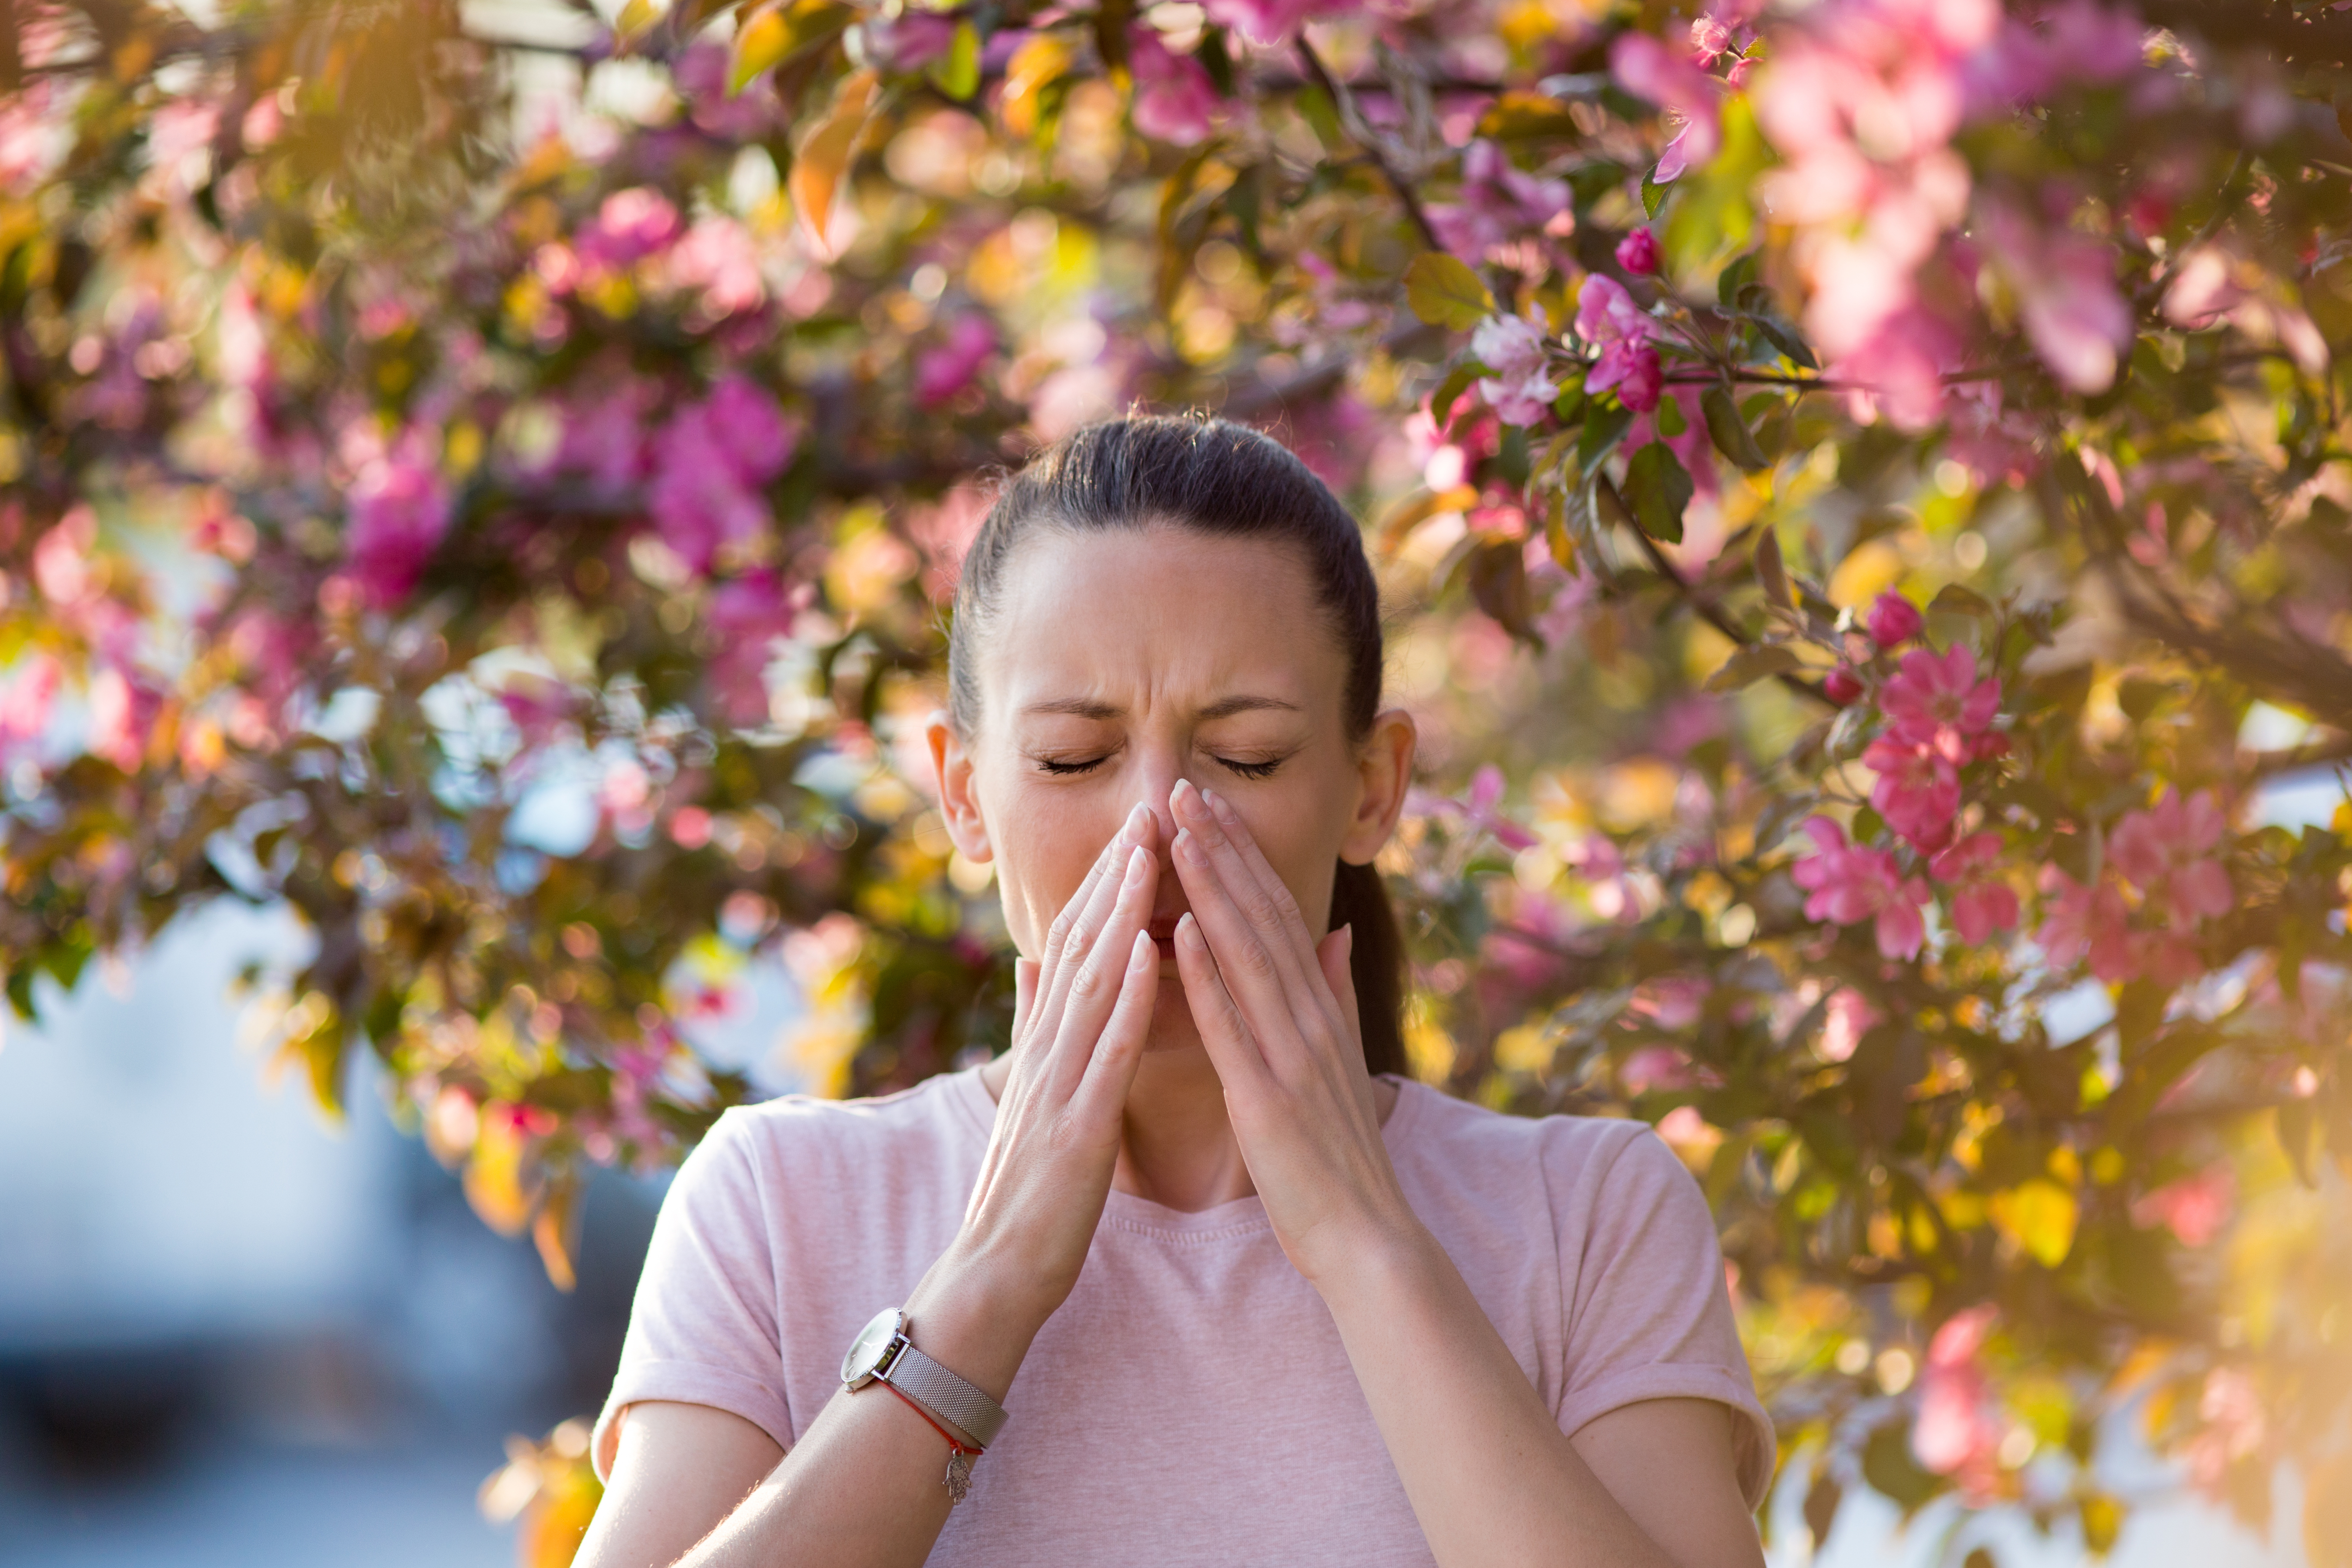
(865, 1352)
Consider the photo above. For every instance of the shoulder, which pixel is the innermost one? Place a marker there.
(1571, 1150)
(798, 1137)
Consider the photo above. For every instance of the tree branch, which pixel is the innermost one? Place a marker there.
(1345, 104)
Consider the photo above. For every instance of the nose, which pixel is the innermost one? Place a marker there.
(1156, 778)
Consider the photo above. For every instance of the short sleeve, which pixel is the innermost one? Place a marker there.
(703, 1328)
(1648, 1311)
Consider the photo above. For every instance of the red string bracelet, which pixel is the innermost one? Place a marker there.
(958, 1444)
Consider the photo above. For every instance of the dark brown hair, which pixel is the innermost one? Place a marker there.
(1230, 482)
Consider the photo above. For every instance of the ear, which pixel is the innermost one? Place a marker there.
(1384, 769)
(959, 801)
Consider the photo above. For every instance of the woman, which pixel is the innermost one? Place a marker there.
(1247, 1294)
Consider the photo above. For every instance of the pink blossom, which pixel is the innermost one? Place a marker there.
(631, 225)
(1655, 1068)
(1893, 619)
(750, 428)
(399, 510)
(1842, 685)
(2167, 850)
(2087, 919)
(1958, 1430)
(123, 712)
(1606, 314)
(1982, 902)
(1709, 39)
(2076, 317)
(1647, 69)
(1672, 1003)
(1521, 389)
(2235, 1427)
(1477, 805)
(699, 500)
(604, 436)
(700, 76)
(1917, 790)
(747, 616)
(719, 256)
(941, 372)
(1265, 22)
(26, 698)
(909, 41)
(1638, 252)
(1499, 204)
(1175, 101)
(1848, 1018)
(1936, 699)
(1850, 884)
(2194, 1207)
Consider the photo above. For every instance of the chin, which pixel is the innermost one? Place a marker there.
(1172, 1017)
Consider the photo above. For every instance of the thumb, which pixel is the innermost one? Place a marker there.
(1335, 953)
(1025, 992)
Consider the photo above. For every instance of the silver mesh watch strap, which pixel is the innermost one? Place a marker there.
(944, 1395)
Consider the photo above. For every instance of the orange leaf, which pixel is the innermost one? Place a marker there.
(823, 157)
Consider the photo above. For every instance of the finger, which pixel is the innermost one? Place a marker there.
(1095, 981)
(1110, 1072)
(1025, 991)
(1255, 975)
(1232, 1048)
(1248, 864)
(1336, 954)
(1080, 921)
(1114, 852)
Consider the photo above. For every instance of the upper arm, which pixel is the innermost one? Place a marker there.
(1670, 1464)
(677, 1470)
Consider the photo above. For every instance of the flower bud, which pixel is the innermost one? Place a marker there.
(1893, 619)
(1638, 252)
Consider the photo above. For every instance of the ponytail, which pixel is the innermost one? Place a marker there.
(1361, 900)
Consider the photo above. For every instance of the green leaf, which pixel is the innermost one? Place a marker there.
(1887, 1466)
(1653, 196)
(1657, 489)
(1770, 575)
(1604, 424)
(1788, 340)
(1445, 292)
(1450, 390)
(1568, 407)
(1729, 431)
(1821, 1499)
(957, 72)
(1748, 666)
(1737, 274)
(1954, 599)
(1669, 417)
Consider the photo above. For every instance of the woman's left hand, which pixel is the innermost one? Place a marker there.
(1277, 1013)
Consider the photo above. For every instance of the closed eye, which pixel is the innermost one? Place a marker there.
(1254, 770)
(1049, 765)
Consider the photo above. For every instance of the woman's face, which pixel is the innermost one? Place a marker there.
(1118, 662)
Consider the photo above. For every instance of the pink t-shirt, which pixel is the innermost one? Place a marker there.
(1191, 1402)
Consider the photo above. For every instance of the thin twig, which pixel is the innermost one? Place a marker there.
(1366, 139)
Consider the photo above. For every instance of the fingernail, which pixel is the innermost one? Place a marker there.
(1217, 807)
(1136, 861)
(1143, 952)
(1186, 845)
(1177, 796)
(1188, 930)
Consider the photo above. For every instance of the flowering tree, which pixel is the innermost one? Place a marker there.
(1861, 479)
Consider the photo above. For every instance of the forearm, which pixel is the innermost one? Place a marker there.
(864, 1488)
(1490, 1476)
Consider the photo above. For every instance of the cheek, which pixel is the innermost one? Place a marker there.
(1045, 846)
(1299, 830)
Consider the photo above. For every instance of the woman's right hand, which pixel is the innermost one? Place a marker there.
(1080, 1015)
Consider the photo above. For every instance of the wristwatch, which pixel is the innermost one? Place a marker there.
(882, 1352)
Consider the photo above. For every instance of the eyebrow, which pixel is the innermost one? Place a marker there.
(1224, 707)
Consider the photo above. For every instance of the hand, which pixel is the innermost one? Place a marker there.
(1080, 1015)
(1277, 1013)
